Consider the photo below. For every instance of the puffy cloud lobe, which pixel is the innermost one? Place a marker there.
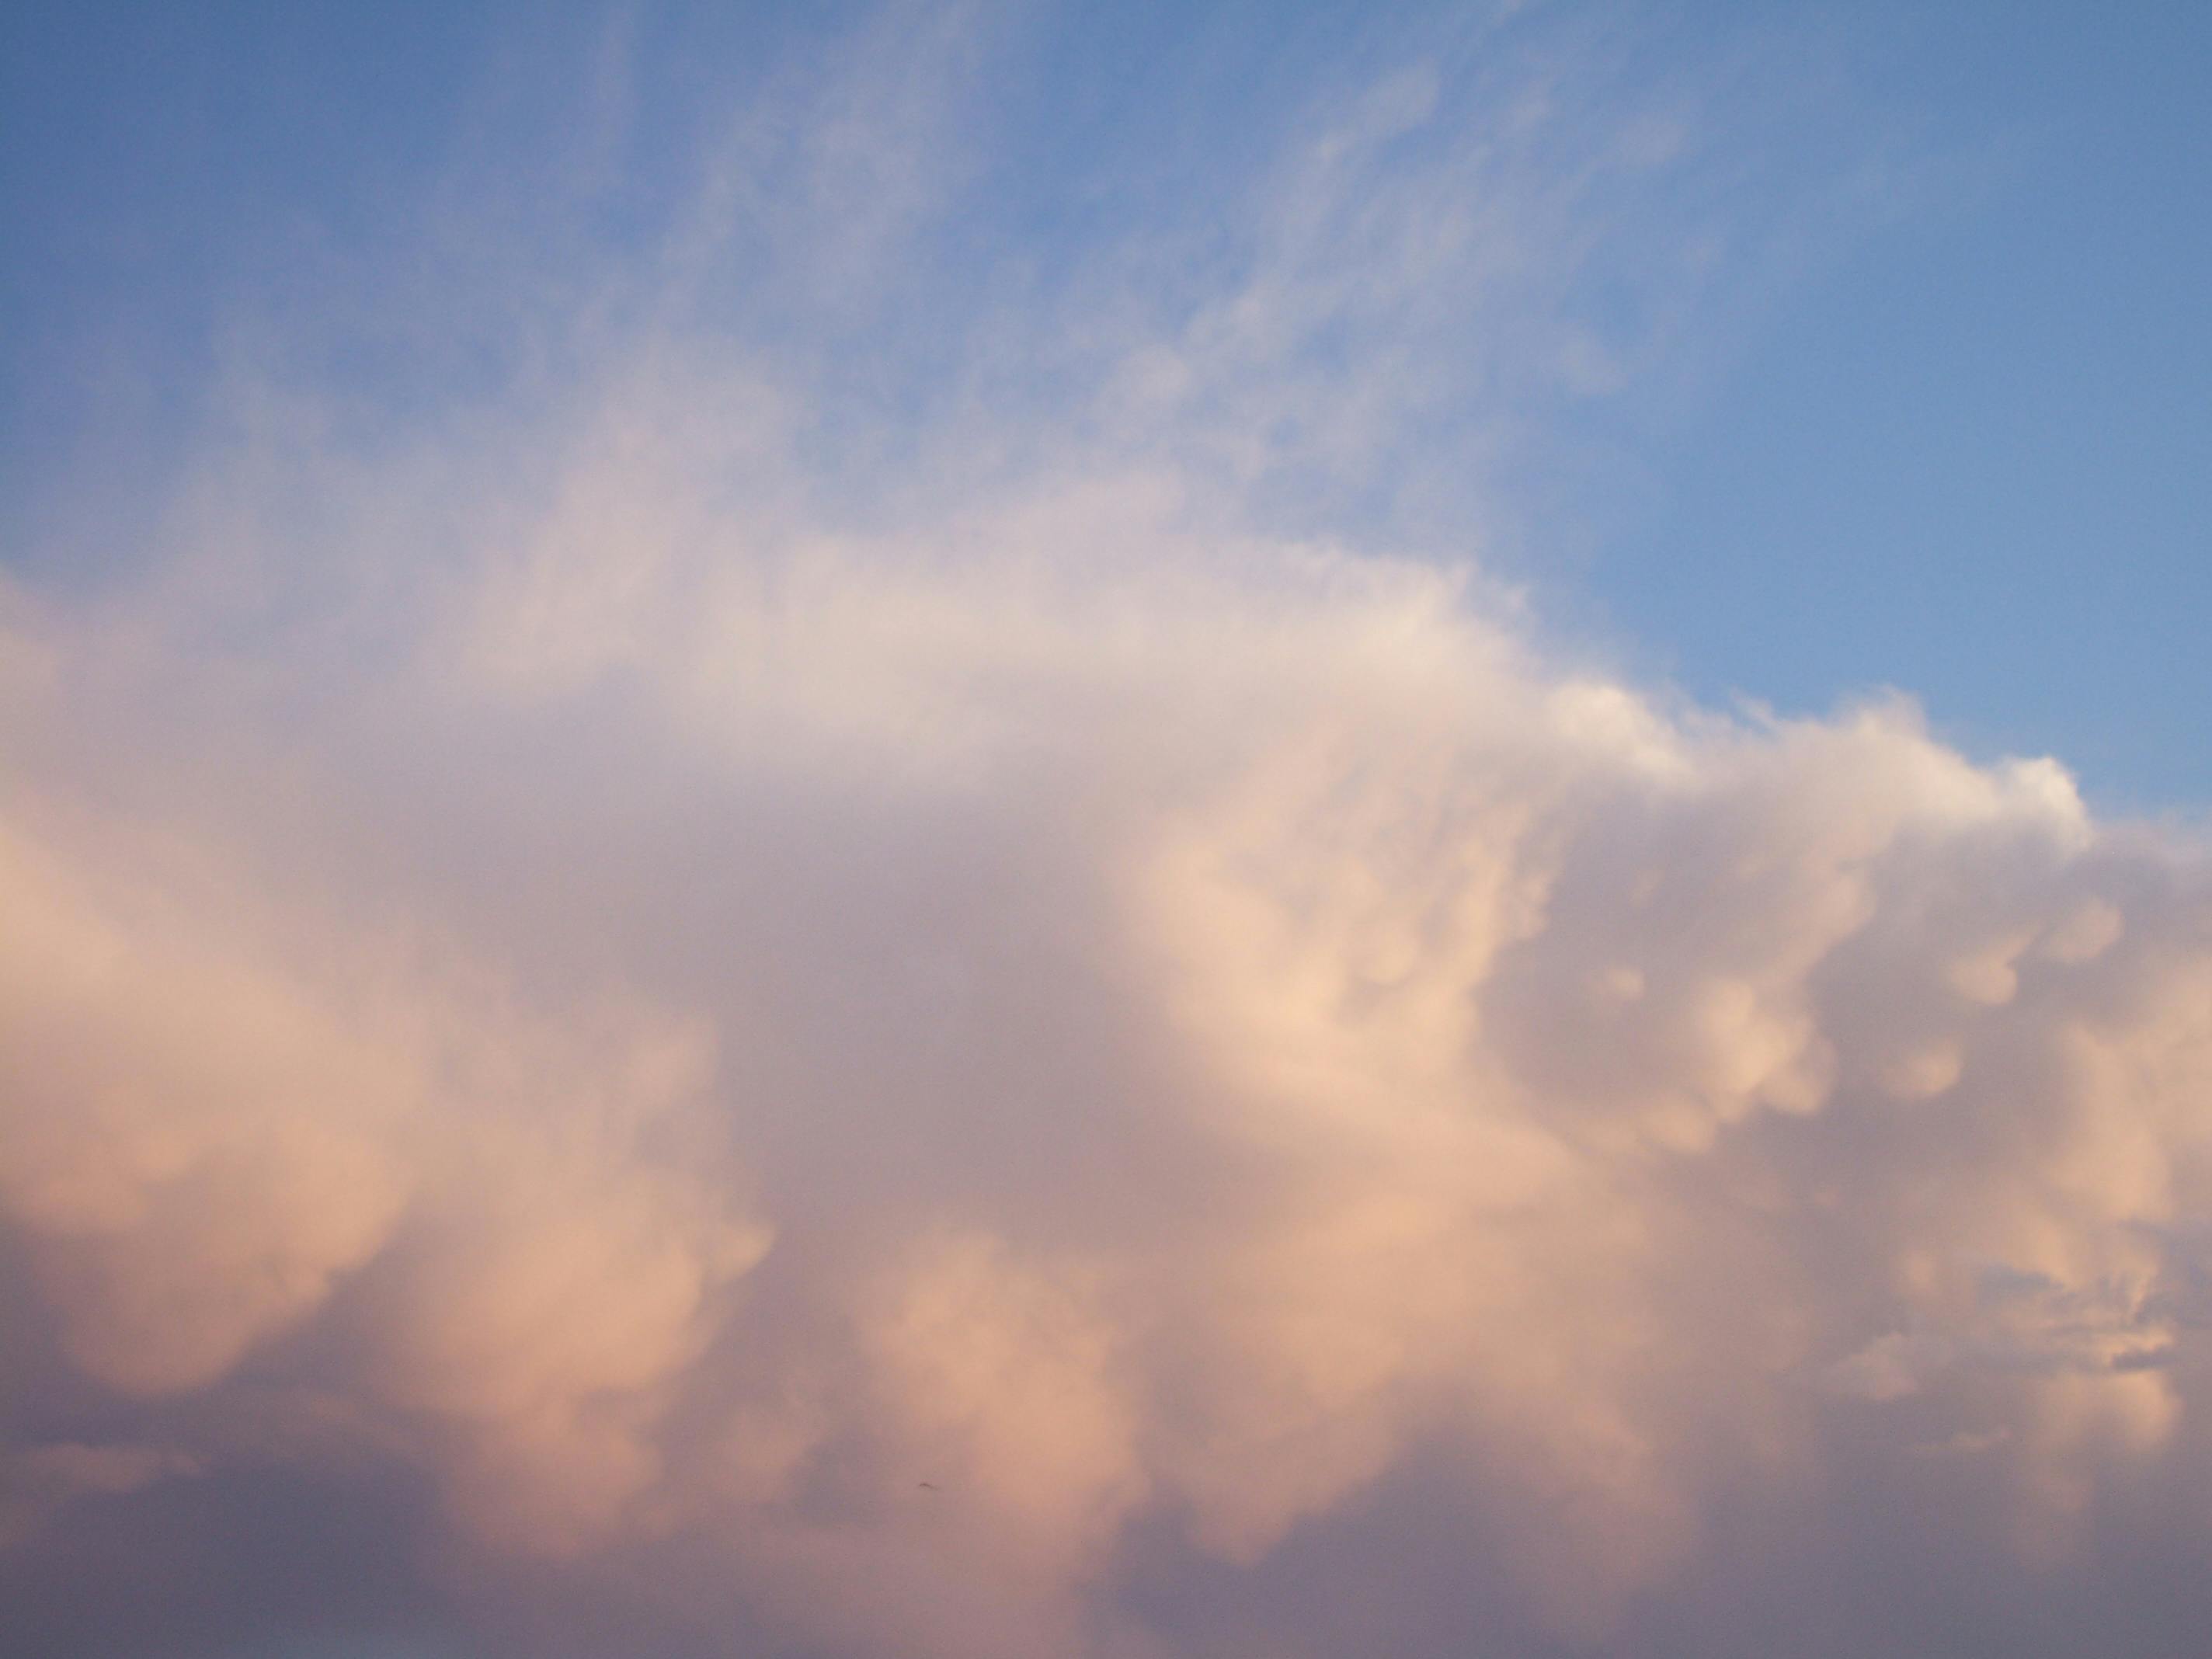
(211, 1141)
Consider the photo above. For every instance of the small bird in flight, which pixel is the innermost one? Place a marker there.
(926, 1485)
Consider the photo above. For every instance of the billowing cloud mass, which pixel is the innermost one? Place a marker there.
(614, 1039)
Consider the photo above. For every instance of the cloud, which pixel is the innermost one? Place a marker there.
(1019, 1061)
(1197, 1028)
(43, 1479)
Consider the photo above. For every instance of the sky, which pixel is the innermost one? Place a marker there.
(1215, 832)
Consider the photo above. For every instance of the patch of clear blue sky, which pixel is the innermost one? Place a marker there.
(1962, 447)
(1971, 456)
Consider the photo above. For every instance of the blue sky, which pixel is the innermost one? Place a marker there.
(1936, 422)
(1966, 456)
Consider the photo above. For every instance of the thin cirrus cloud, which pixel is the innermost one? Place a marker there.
(623, 1034)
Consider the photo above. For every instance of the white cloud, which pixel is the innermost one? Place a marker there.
(1199, 1025)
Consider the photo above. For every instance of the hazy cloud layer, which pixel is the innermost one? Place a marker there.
(633, 1042)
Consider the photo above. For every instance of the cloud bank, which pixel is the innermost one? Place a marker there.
(612, 1038)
